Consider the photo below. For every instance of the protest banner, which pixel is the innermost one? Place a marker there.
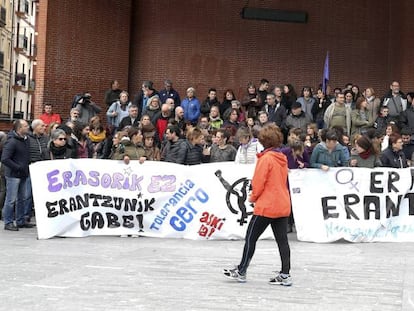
(355, 204)
(82, 197)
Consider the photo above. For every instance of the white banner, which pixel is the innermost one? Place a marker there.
(76, 198)
(81, 197)
(355, 204)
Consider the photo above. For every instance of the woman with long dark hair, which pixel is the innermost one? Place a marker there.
(227, 98)
(290, 96)
(319, 108)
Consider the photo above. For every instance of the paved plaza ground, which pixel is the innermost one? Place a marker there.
(113, 273)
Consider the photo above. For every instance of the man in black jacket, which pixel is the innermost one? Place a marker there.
(132, 119)
(175, 150)
(276, 111)
(37, 145)
(15, 158)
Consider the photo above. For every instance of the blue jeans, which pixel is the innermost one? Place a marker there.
(16, 195)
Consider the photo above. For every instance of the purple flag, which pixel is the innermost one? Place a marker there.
(325, 78)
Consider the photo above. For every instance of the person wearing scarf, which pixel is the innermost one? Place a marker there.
(364, 154)
(57, 146)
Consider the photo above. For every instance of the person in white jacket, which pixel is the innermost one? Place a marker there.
(249, 147)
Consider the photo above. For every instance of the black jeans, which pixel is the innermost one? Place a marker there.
(257, 226)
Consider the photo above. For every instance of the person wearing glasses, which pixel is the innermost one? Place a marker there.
(57, 147)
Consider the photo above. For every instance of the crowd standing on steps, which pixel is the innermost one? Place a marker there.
(320, 129)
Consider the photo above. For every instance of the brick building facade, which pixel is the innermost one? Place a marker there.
(84, 44)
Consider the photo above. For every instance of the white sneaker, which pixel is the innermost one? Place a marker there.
(284, 280)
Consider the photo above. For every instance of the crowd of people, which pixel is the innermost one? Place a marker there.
(349, 127)
(270, 126)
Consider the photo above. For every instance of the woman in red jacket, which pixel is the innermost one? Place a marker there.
(269, 182)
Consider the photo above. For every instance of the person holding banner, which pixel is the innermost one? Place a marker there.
(328, 153)
(130, 147)
(249, 147)
(269, 181)
(364, 154)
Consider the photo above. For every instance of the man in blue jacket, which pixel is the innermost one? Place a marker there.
(15, 158)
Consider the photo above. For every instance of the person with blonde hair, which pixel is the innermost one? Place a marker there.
(118, 109)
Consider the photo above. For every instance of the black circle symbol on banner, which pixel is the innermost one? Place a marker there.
(346, 176)
(236, 196)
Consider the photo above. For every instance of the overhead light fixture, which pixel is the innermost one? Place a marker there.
(274, 15)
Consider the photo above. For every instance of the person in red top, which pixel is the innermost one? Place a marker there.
(48, 116)
(271, 196)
